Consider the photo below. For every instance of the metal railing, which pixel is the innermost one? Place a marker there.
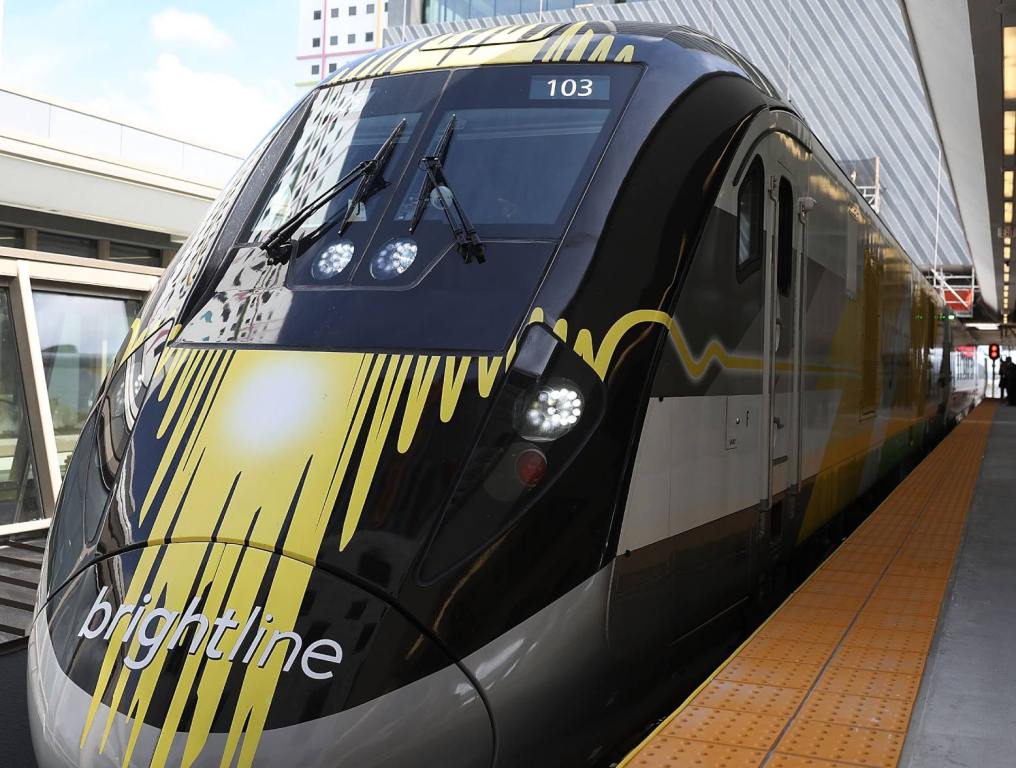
(958, 289)
(872, 194)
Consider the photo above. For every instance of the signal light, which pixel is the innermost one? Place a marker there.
(531, 466)
(994, 352)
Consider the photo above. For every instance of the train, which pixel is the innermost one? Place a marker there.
(478, 414)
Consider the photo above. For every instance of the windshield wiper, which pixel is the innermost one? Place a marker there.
(277, 243)
(466, 239)
(372, 182)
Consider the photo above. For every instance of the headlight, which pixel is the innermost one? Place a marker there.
(333, 260)
(394, 258)
(549, 411)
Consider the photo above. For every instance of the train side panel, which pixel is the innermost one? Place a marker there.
(698, 524)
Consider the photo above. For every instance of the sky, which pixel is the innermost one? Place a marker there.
(220, 73)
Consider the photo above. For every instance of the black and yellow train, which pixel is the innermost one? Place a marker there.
(467, 426)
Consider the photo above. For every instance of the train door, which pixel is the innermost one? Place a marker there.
(783, 331)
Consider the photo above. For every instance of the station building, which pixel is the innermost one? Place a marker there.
(333, 31)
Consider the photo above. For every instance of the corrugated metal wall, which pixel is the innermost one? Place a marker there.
(846, 65)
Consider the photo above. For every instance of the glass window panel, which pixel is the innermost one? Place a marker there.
(79, 336)
(19, 492)
(11, 237)
(749, 214)
(135, 254)
(69, 245)
(537, 154)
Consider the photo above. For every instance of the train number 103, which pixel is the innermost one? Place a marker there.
(570, 86)
(593, 87)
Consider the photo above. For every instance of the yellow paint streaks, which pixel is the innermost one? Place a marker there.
(279, 434)
(602, 50)
(625, 54)
(579, 49)
(487, 370)
(377, 437)
(560, 44)
(451, 385)
(419, 392)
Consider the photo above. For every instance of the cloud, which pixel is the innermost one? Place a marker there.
(172, 25)
(208, 107)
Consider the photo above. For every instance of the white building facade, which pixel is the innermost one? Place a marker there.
(333, 31)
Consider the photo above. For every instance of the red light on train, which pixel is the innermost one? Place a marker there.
(993, 351)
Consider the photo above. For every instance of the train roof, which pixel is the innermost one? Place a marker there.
(552, 42)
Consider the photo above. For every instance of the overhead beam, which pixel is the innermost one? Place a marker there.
(940, 34)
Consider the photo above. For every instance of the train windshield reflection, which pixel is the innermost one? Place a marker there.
(337, 138)
(533, 155)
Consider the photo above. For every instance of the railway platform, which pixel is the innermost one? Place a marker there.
(896, 651)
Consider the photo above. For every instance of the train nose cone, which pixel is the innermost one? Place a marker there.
(219, 654)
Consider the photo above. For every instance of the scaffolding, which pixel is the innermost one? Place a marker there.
(866, 176)
(957, 287)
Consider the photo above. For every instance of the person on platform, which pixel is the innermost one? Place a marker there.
(1010, 380)
(1003, 376)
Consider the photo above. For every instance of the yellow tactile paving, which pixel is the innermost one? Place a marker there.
(842, 743)
(829, 681)
(862, 711)
(794, 761)
(805, 633)
(723, 726)
(747, 697)
(781, 649)
(868, 682)
(785, 674)
(668, 752)
(892, 639)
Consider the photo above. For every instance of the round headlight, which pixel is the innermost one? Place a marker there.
(549, 411)
(333, 260)
(394, 258)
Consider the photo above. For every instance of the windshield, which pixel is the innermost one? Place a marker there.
(521, 143)
(339, 132)
(536, 155)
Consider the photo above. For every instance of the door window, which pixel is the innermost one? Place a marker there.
(750, 232)
(19, 492)
(79, 336)
(785, 243)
